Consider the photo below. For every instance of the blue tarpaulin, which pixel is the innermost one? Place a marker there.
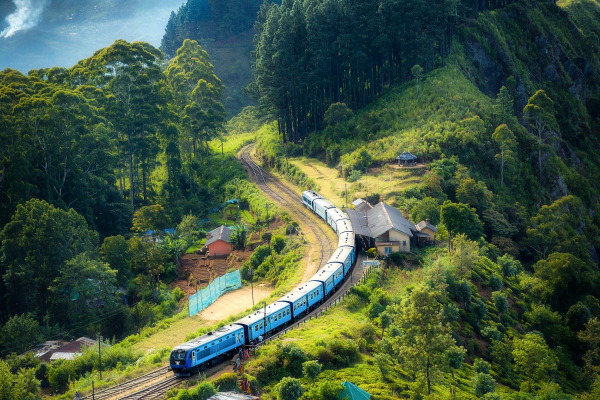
(205, 297)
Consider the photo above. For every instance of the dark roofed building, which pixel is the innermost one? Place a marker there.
(426, 232)
(385, 228)
(361, 205)
(218, 241)
(406, 158)
(52, 351)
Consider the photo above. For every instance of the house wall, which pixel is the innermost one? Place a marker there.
(219, 248)
(381, 249)
(429, 232)
(396, 236)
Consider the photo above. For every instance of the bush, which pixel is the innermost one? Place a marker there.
(484, 383)
(325, 391)
(372, 252)
(227, 382)
(500, 301)
(292, 357)
(278, 243)
(59, 375)
(289, 389)
(345, 352)
(311, 369)
(481, 366)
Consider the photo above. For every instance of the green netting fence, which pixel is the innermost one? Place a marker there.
(205, 297)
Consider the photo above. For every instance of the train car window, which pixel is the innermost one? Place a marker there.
(256, 328)
(279, 315)
(193, 355)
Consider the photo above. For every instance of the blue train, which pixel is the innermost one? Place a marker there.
(209, 349)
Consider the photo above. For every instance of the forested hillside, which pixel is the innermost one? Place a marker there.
(92, 158)
(501, 105)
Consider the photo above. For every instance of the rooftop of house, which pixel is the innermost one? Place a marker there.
(221, 233)
(58, 350)
(426, 224)
(380, 219)
(406, 156)
(361, 205)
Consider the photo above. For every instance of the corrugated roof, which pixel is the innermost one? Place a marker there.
(232, 396)
(380, 219)
(221, 233)
(406, 156)
(383, 218)
(424, 224)
(362, 205)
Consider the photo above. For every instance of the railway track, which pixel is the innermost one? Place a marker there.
(127, 386)
(268, 183)
(272, 186)
(154, 391)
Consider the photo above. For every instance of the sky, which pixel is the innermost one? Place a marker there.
(47, 33)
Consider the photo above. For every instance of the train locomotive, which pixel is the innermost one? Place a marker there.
(209, 349)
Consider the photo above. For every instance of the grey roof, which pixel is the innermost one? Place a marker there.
(359, 222)
(380, 219)
(425, 224)
(221, 233)
(406, 156)
(383, 218)
(361, 205)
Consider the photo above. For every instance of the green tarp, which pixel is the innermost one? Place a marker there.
(353, 392)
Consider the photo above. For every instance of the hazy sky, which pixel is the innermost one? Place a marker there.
(47, 33)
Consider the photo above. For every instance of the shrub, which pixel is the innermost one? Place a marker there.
(325, 391)
(345, 352)
(289, 389)
(484, 383)
(278, 243)
(372, 252)
(227, 382)
(481, 366)
(500, 301)
(311, 369)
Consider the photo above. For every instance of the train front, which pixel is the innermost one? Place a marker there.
(180, 362)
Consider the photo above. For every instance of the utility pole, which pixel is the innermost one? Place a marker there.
(252, 284)
(346, 192)
(367, 180)
(100, 355)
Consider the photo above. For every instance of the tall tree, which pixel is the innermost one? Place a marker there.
(425, 340)
(533, 358)
(540, 113)
(506, 142)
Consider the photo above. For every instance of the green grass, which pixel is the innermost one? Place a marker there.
(196, 246)
(387, 182)
(247, 217)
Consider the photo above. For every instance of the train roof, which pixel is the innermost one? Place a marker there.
(324, 203)
(344, 225)
(337, 214)
(208, 337)
(340, 254)
(311, 194)
(300, 291)
(260, 314)
(325, 273)
(346, 239)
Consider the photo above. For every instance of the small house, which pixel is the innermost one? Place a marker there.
(406, 158)
(426, 232)
(218, 242)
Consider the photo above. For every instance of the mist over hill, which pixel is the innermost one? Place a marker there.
(45, 33)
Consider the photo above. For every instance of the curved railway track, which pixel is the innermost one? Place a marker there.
(271, 185)
(268, 183)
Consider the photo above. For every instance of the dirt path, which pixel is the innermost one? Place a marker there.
(234, 302)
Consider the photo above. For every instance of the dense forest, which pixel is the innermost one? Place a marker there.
(116, 145)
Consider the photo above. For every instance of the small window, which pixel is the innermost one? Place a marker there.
(193, 355)
(256, 328)
(275, 317)
(388, 250)
(404, 243)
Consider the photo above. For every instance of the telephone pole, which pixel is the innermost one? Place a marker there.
(100, 355)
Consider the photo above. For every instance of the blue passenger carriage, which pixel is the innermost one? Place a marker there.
(330, 276)
(198, 353)
(321, 206)
(343, 256)
(334, 215)
(303, 298)
(277, 315)
(308, 197)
